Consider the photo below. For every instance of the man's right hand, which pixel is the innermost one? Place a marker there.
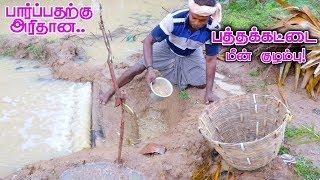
(151, 75)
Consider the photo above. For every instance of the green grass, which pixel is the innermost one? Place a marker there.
(306, 169)
(37, 51)
(8, 52)
(303, 167)
(243, 14)
(284, 150)
(303, 134)
(131, 37)
(254, 73)
(183, 95)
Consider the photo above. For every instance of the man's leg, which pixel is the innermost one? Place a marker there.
(192, 72)
(125, 78)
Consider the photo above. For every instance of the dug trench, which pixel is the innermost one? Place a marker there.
(172, 123)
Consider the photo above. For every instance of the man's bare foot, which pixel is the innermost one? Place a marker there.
(105, 97)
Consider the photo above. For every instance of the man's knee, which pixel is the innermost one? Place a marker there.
(201, 86)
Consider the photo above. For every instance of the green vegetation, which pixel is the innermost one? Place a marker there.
(284, 150)
(303, 134)
(131, 37)
(303, 167)
(37, 51)
(254, 73)
(243, 14)
(306, 169)
(8, 52)
(183, 95)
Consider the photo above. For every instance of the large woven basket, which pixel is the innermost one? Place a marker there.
(247, 131)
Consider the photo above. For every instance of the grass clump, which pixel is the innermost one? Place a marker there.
(183, 95)
(8, 52)
(241, 14)
(36, 51)
(253, 73)
(306, 169)
(303, 134)
(284, 150)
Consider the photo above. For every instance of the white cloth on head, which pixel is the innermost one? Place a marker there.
(214, 11)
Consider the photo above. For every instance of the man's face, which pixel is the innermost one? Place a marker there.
(196, 21)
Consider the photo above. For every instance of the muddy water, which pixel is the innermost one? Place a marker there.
(40, 118)
(129, 21)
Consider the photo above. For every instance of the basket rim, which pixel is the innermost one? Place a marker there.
(250, 142)
(254, 141)
(223, 101)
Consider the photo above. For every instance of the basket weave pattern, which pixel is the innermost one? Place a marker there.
(247, 131)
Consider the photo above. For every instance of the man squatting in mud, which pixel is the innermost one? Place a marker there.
(174, 48)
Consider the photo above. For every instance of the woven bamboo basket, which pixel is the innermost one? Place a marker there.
(247, 131)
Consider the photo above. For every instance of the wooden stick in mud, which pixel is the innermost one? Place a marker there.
(120, 100)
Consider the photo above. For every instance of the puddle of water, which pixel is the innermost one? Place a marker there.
(124, 18)
(231, 88)
(40, 117)
(127, 19)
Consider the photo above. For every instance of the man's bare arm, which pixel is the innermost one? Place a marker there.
(147, 53)
(147, 50)
(211, 64)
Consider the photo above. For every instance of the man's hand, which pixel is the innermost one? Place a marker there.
(210, 97)
(104, 97)
(151, 75)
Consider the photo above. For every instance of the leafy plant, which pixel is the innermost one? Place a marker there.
(35, 50)
(284, 150)
(254, 73)
(306, 169)
(237, 15)
(183, 95)
(131, 37)
(303, 134)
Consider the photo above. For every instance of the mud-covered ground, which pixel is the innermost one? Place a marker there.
(173, 122)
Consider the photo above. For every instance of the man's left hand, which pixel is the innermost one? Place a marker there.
(210, 97)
